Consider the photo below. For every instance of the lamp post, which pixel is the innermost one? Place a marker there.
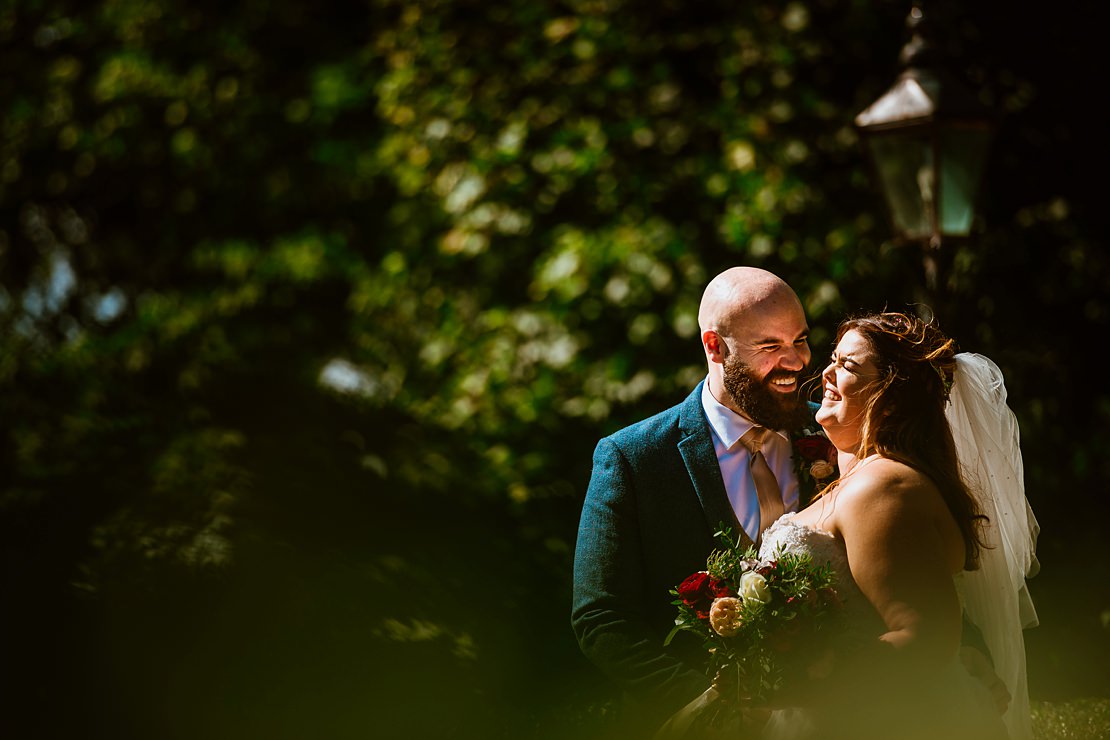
(927, 137)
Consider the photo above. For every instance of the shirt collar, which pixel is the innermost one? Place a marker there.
(728, 425)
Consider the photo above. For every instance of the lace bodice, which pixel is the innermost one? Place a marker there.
(785, 535)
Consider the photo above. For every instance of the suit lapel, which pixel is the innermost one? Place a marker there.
(696, 448)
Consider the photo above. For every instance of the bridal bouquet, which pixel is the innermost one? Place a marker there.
(763, 622)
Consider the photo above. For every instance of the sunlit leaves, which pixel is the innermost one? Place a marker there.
(133, 74)
(184, 519)
(416, 630)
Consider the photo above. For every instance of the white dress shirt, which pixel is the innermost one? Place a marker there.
(728, 427)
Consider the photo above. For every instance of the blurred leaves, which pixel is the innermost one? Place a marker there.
(1082, 718)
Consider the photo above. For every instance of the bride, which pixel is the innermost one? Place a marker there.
(917, 533)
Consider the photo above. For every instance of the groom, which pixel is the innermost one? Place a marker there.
(660, 489)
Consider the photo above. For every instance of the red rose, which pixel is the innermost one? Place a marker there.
(699, 590)
(696, 592)
(691, 589)
(815, 447)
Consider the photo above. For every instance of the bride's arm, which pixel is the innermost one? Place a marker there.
(902, 561)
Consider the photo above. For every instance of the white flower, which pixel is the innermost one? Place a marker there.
(724, 616)
(754, 586)
(821, 469)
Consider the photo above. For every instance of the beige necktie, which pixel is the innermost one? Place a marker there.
(766, 485)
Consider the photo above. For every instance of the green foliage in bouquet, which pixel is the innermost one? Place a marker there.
(764, 623)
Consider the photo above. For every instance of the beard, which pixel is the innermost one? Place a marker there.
(753, 396)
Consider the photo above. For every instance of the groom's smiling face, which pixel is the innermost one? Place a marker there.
(762, 399)
(768, 351)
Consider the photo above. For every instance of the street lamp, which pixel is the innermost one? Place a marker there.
(927, 137)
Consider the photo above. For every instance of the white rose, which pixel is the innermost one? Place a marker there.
(821, 469)
(754, 586)
(724, 616)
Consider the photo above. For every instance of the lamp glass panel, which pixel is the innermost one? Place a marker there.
(963, 154)
(905, 165)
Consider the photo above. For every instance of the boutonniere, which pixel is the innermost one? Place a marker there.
(814, 455)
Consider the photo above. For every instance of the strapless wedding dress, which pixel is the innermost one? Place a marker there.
(949, 706)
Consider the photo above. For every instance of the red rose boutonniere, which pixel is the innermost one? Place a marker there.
(814, 456)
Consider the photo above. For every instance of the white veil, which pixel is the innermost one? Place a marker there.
(995, 597)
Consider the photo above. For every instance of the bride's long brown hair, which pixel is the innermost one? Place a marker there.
(904, 418)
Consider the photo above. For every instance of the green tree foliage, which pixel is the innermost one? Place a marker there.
(310, 316)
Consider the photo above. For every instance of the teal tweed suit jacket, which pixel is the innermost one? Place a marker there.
(655, 500)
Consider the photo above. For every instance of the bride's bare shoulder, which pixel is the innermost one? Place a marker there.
(888, 484)
(890, 504)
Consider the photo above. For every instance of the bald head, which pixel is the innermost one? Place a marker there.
(742, 293)
(755, 337)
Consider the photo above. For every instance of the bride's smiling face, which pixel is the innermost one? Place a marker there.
(849, 382)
